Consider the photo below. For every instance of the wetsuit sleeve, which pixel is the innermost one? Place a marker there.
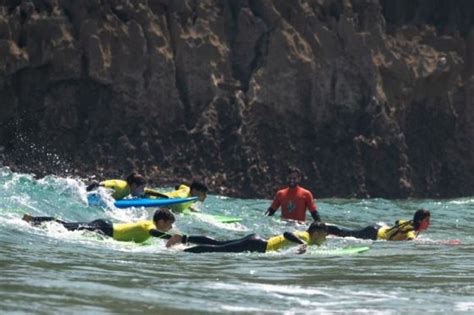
(336, 230)
(196, 239)
(275, 205)
(92, 186)
(293, 238)
(184, 238)
(156, 233)
(411, 235)
(270, 212)
(39, 220)
(310, 202)
(316, 216)
(155, 193)
(202, 240)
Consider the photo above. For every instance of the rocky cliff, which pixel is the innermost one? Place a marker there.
(368, 97)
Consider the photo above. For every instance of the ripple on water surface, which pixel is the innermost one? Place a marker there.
(49, 270)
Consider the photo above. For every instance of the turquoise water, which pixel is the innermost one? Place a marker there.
(53, 271)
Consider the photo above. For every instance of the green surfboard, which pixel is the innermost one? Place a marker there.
(340, 251)
(218, 218)
(214, 217)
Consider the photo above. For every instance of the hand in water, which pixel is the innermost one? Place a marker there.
(301, 249)
(175, 239)
(192, 209)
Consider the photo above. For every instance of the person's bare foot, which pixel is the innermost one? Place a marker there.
(27, 217)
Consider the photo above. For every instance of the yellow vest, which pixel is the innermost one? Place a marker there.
(182, 192)
(137, 232)
(402, 231)
(120, 187)
(279, 242)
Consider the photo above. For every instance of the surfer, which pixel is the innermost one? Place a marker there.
(294, 200)
(137, 232)
(133, 185)
(401, 231)
(314, 235)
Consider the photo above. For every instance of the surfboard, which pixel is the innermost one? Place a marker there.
(213, 217)
(450, 242)
(217, 217)
(340, 251)
(145, 202)
(95, 200)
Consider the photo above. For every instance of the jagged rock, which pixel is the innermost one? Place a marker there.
(371, 98)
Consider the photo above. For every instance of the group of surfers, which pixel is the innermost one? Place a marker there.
(293, 200)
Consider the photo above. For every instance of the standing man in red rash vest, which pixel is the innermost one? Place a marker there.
(294, 200)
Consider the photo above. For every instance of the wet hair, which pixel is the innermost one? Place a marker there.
(317, 226)
(164, 213)
(293, 169)
(198, 186)
(419, 216)
(136, 179)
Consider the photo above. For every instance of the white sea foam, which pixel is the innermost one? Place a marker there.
(464, 306)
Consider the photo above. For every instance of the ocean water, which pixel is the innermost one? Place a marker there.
(50, 270)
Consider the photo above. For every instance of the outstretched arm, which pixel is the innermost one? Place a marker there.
(172, 239)
(156, 233)
(155, 193)
(312, 207)
(38, 220)
(274, 206)
(293, 238)
(92, 186)
(176, 239)
(270, 212)
(196, 239)
(316, 216)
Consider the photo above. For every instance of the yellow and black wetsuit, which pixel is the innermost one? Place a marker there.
(401, 231)
(183, 191)
(137, 232)
(281, 241)
(120, 188)
(249, 243)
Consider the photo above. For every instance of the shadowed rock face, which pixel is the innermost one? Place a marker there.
(368, 98)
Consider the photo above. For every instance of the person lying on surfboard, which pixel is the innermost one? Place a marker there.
(314, 235)
(401, 231)
(133, 185)
(137, 232)
(196, 189)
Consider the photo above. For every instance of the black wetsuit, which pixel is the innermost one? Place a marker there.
(249, 243)
(100, 226)
(106, 228)
(368, 233)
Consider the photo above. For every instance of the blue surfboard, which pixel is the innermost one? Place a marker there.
(128, 203)
(95, 200)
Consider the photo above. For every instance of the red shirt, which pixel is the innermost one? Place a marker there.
(294, 202)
